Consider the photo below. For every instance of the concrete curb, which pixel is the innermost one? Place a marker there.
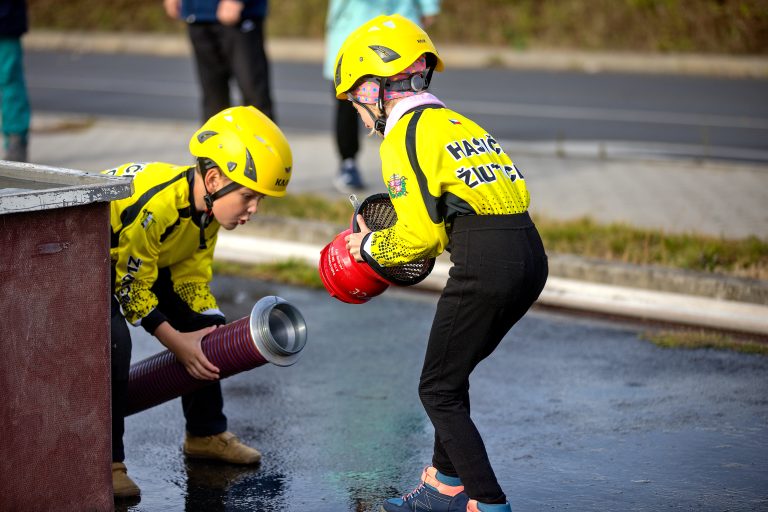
(657, 278)
(310, 50)
(560, 292)
(567, 266)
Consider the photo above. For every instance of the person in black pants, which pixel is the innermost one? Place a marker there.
(227, 37)
(348, 143)
(163, 240)
(453, 188)
(203, 409)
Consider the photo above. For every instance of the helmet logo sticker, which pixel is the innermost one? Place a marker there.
(203, 136)
(384, 53)
(250, 167)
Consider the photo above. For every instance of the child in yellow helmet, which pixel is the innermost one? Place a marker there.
(163, 237)
(453, 188)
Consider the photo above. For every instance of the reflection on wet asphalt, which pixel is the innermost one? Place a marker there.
(577, 415)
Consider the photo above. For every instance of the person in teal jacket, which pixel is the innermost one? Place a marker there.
(344, 16)
(453, 188)
(13, 88)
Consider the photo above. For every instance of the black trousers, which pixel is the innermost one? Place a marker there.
(203, 409)
(223, 52)
(499, 269)
(347, 125)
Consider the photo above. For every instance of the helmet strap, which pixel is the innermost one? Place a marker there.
(381, 122)
(205, 219)
(428, 76)
(416, 82)
(209, 198)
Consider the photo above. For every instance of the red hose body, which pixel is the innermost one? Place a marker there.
(161, 377)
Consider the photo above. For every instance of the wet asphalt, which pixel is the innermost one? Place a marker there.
(577, 414)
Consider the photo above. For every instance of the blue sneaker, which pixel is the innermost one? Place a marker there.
(430, 496)
(474, 506)
(349, 179)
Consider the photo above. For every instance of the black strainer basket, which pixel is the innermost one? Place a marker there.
(378, 213)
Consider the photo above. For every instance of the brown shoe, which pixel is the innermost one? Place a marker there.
(225, 446)
(122, 485)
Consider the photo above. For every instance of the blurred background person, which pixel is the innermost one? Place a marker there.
(344, 16)
(227, 37)
(13, 88)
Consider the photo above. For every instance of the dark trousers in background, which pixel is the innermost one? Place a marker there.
(347, 129)
(222, 53)
(499, 269)
(203, 409)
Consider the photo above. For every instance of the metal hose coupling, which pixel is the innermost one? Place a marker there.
(275, 332)
(278, 330)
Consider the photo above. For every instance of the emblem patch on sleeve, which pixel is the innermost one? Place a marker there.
(396, 186)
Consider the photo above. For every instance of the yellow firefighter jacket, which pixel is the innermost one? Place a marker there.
(157, 227)
(437, 164)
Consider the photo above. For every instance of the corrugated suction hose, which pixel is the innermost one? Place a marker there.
(275, 332)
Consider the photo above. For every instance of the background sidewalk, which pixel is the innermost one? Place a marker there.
(719, 199)
(608, 182)
(676, 196)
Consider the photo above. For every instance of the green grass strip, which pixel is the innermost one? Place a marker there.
(290, 271)
(701, 339)
(747, 257)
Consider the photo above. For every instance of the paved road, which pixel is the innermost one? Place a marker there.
(617, 182)
(674, 115)
(578, 415)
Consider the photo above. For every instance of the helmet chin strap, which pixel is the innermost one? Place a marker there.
(203, 166)
(417, 82)
(379, 122)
